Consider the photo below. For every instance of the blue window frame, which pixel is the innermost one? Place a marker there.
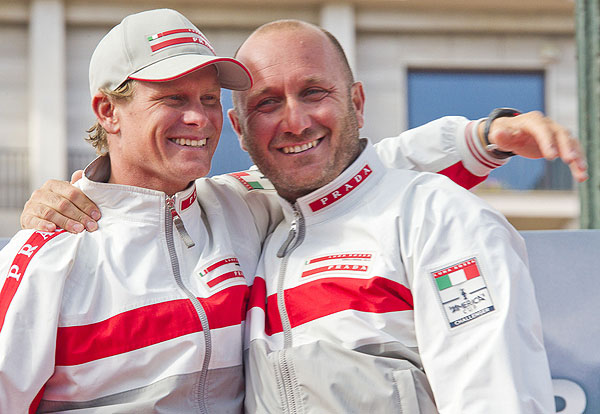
(473, 94)
(229, 157)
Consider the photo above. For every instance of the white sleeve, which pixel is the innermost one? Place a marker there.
(449, 146)
(476, 318)
(30, 300)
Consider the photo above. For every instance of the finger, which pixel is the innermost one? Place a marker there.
(570, 148)
(29, 221)
(571, 153)
(76, 176)
(543, 131)
(575, 158)
(52, 203)
(579, 173)
(62, 194)
(44, 218)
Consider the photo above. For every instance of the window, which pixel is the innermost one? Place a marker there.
(229, 157)
(473, 94)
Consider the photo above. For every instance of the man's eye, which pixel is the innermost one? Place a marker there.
(174, 98)
(266, 105)
(210, 99)
(315, 93)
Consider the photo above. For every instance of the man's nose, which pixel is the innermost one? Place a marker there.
(296, 117)
(195, 114)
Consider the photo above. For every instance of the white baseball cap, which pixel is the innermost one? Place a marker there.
(159, 45)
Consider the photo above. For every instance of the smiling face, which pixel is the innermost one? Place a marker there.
(163, 137)
(300, 120)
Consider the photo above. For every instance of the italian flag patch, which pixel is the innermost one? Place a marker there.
(457, 274)
(253, 180)
(463, 292)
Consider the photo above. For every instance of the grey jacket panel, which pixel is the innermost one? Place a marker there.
(170, 395)
(327, 377)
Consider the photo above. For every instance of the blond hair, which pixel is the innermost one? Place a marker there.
(97, 135)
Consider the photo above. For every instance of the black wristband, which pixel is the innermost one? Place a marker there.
(497, 113)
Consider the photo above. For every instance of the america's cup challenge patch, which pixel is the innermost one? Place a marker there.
(463, 292)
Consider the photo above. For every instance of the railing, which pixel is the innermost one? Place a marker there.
(14, 173)
(14, 177)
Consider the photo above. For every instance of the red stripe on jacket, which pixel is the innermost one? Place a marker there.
(323, 297)
(472, 147)
(18, 267)
(36, 401)
(461, 176)
(148, 325)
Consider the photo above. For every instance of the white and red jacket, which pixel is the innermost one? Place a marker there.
(129, 318)
(132, 318)
(394, 291)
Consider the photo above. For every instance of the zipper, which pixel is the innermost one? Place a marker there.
(185, 236)
(286, 369)
(201, 392)
(291, 235)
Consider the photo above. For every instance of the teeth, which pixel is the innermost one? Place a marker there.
(300, 148)
(190, 142)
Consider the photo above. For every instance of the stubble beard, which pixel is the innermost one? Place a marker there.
(286, 183)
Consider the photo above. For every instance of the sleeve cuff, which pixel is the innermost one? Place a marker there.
(476, 158)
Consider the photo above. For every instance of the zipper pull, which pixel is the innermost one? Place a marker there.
(185, 236)
(291, 235)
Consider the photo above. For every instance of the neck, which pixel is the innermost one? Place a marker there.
(133, 177)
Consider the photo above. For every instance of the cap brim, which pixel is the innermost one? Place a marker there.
(232, 74)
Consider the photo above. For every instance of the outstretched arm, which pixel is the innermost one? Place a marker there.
(533, 135)
(456, 147)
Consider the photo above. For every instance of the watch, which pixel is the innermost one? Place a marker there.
(495, 114)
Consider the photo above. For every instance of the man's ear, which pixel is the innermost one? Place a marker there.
(104, 109)
(357, 94)
(235, 123)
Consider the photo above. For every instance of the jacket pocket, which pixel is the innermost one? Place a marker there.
(405, 385)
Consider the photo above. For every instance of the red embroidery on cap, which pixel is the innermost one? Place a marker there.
(200, 39)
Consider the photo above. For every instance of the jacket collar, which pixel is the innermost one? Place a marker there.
(343, 193)
(129, 199)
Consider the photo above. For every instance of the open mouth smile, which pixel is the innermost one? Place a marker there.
(300, 148)
(189, 142)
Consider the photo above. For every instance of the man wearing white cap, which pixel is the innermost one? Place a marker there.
(145, 314)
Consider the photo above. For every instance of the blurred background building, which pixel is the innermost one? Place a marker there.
(418, 59)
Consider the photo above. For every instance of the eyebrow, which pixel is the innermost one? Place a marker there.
(309, 80)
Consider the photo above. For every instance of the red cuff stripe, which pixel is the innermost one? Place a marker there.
(474, 151)
(461, 176)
